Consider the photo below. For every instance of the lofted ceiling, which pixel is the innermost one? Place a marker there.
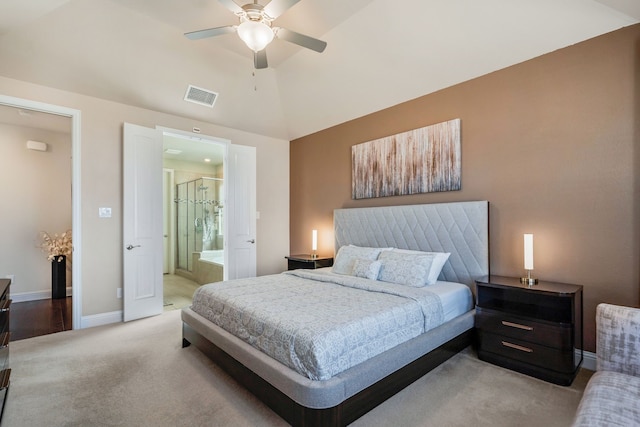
(380, 53)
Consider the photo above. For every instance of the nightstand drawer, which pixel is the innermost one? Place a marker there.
(5, 337)
(527, 352)
(4, 350)
(558, 335)
(5, 305)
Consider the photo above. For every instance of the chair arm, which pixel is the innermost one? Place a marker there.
(618, 339)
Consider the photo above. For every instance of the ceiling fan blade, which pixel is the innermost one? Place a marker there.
(301, 39)
(231, 5)
(276, 8)
(260, 59)
(211, 32)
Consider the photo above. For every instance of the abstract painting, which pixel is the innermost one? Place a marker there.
(422, 160)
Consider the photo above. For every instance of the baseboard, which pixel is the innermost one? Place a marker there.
(85, 321)
(588, 360)
(100, 319)
(35, 296)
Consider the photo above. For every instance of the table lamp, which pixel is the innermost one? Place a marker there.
(528, 260)
(314, 243)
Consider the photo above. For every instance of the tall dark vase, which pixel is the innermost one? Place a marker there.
(59, 277)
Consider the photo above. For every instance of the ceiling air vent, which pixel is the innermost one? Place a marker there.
(200, 96)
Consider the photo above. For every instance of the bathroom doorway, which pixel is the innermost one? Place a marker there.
(193, 216)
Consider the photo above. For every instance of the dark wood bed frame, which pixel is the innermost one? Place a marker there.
(342, 414)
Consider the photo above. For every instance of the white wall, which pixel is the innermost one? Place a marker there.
(35, 192)
(101, 163)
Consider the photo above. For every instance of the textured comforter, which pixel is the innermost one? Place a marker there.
(316, 322)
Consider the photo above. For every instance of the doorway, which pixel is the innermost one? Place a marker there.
(142, 216)
(194, 210)
(72, 118)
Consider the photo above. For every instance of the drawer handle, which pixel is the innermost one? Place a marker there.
(517, 325)
(517, 347)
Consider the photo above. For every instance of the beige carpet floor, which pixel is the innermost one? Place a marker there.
(137, 374)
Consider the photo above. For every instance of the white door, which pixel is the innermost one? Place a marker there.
(240, 239)
(142, 222)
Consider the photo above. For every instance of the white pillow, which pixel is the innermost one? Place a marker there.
(405, 269)
(437, 265)
(347, 255)
(366, 268)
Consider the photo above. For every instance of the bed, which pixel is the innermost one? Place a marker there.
(318, 396)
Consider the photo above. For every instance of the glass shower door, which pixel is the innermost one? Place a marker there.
(199, 219)
(191, 217)
(181, 224)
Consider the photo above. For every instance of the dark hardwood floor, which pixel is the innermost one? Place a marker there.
(34, 318)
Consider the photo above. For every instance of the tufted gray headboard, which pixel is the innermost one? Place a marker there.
(461, 228)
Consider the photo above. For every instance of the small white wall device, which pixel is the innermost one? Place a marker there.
(36, 146)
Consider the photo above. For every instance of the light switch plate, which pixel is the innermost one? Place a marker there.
(104, 212)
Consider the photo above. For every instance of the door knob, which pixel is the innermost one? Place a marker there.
(251, 241)
(129, 247)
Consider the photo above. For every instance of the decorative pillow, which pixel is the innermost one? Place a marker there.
(347, 255)
(404, 271)
(366, 268)
(436, 267)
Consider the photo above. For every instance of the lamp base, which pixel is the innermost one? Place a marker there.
(530, 281)
(314, 255)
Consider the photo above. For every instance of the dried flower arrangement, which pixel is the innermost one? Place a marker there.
(56, 246)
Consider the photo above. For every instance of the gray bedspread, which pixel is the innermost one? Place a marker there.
(318, 323)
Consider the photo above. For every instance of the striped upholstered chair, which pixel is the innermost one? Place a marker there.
(612, 396)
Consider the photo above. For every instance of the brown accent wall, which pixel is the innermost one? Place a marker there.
(552, 143)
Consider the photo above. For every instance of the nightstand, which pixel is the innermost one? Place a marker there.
(306, 261)
(535, 330)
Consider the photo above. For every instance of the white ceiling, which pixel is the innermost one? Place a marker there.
(380, 52)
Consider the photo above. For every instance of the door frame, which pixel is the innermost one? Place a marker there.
(76, 181)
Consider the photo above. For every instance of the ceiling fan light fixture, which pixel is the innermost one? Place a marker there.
(255, 34)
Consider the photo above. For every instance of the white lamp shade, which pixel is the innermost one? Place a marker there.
(528, 251)
(314, 240)
(256, 35)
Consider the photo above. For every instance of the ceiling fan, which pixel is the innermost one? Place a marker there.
(256, 31)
